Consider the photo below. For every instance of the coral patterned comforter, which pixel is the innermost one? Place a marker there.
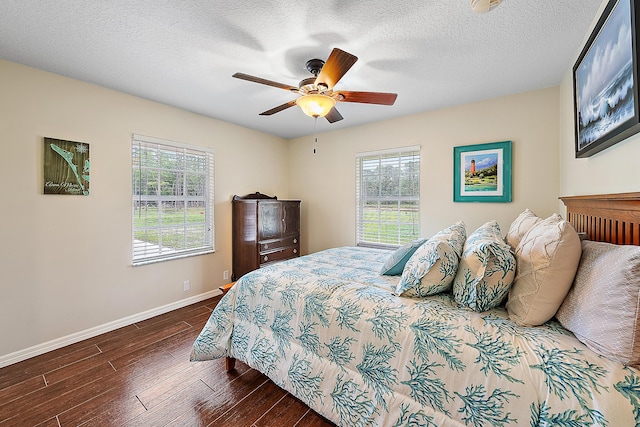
(327, 328)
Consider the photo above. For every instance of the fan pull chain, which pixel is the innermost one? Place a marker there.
(315, 134)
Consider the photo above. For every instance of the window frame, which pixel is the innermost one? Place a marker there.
(193, 162)
(411, 153)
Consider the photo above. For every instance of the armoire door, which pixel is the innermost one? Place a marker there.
(269, 220)
(290, 218)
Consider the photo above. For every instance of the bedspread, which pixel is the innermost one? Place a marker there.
(327, 328)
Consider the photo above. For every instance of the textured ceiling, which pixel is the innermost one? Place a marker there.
(433, 54)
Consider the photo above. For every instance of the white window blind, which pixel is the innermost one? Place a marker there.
(172, 200)
(388, 197)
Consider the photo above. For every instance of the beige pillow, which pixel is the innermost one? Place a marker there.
(520, 226)
(547, 258)
(603, 307)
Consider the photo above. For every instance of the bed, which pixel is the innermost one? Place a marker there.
(333, 331)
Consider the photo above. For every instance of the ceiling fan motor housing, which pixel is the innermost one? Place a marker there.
(314, 66)
(308, 83)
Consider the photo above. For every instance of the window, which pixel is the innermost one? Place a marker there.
(172, 188)
(388, 197)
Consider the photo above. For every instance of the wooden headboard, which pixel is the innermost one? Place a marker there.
(613, 218)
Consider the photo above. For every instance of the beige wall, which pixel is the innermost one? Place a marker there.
(326, 181)
(614, 170)
(65, 261)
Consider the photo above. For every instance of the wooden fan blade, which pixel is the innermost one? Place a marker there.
(264, 81)
(278, 108)
(381, 98)
(333, 116)
(336, 66)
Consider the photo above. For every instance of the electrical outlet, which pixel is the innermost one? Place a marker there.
(225, 275)
(187, 285)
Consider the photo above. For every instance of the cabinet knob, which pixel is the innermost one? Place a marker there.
(266, 258)
(266, 246)
(295, 251)
(295, 240)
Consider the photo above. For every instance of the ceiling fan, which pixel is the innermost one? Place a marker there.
(318, 98)
(484, 6)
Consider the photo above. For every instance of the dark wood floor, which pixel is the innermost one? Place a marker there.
(140, 375)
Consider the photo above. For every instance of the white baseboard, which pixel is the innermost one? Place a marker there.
(36, 350)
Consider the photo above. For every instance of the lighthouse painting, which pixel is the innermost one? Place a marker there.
(482, 172)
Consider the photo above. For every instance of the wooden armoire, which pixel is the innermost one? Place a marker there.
(265, 230)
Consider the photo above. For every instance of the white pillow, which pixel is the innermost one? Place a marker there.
(603, 307)
(547, 259)
(520, 226)
(433, 265)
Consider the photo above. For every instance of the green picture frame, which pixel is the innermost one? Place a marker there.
(66, 167)
(482, 172)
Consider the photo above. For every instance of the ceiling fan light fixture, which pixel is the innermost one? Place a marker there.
(315, 104)
(484, 6)
(317, 98)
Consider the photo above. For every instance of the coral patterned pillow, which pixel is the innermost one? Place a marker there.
(432, 267)
(486, 269)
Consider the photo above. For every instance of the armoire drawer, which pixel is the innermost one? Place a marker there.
(279, 255)
(269, 245)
